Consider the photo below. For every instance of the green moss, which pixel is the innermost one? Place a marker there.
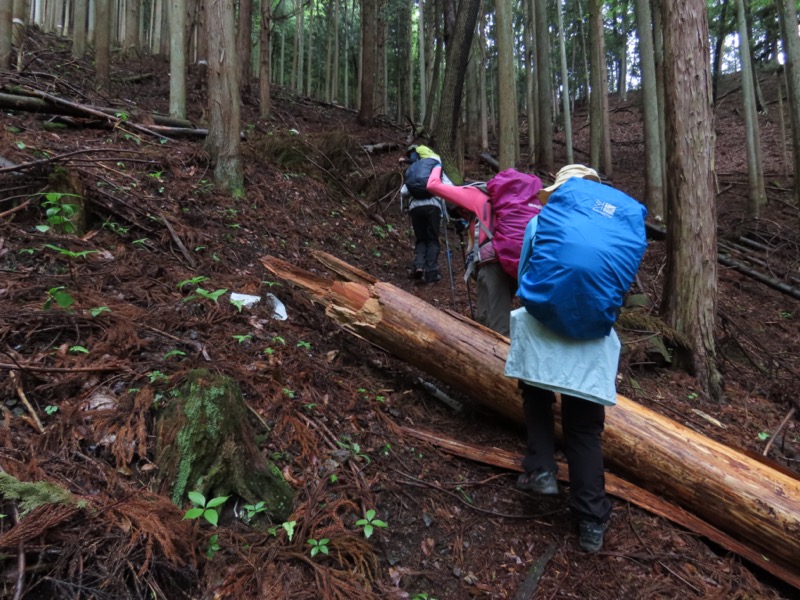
(33, 494)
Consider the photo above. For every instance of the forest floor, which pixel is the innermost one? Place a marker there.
(96, 329)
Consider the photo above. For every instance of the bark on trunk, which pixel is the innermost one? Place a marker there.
(750, 500)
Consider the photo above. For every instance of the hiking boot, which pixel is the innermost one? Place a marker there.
(590, 535)
(417, 273)
(544, 483)
(432, 276)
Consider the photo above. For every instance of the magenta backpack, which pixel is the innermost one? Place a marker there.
(514, 204)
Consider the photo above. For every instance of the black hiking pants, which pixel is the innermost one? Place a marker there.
(582, 424)
(427, 222)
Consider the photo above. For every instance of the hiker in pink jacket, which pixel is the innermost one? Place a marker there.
(496, 288)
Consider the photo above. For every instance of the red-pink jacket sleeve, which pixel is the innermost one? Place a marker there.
(470, 198)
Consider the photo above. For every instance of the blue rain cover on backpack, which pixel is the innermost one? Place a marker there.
(416, 177)
(588, 245)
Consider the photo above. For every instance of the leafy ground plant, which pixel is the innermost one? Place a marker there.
(318, 546)
(205, 509)
(369, 522)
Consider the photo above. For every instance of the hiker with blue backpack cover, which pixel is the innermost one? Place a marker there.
(425, 210)
(498, 212)
(579, 257)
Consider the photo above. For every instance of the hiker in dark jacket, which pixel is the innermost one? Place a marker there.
(426, 217)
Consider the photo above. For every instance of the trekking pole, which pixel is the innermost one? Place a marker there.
(469, 288)
(449, 257)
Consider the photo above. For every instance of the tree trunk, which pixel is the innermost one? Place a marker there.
(562, 46)
(366, 111)
(244, 43)
(507, 140)
(787, 12)
(177, 59)
(6, 31)
(755, 167)
(654, 189)
(742, 496)
(719, 47)
(224, 120)
(599, 99)
(133, 11)
(690, 299)
(423, 81)
(458, 45)
(102, 45)
(544, 79)
(205, 443)
(264, 73)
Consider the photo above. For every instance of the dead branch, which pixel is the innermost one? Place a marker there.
(778, 430)
(178, 242)
(59, 158)
(24, 398)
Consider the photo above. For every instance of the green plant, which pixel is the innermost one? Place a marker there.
(207, 294)
(279, 340)
(422, 596)
(58, 213)
(287, 526)
(369, 522)
(205, 509)
(785, 314)
(98, 310)
(251, 510)
(353, 448)
(192, 281)
(378, 231)
(155, 376)
(70, 253)
(692, 396)
(78, 350)
(318, 546)
(171, 353)
(238, 304)
(288, 393)
(213, 546)
(140, 242)
(27, 250)
(242, 338)
(763, 435)
(269, 351)
(50, 409)
(115, 227)
(60, 296)
(305, 345)
(333, 478)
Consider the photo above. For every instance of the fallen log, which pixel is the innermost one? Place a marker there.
(751, 500)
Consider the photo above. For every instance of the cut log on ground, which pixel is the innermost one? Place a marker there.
(754, 501)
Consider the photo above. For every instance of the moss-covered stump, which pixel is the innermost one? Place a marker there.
(205, 443)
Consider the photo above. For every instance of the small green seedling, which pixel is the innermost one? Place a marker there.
(692, 396)
(251, 510)
(50, 409)
(763, 435)
(288, 393)
(242, 338)
(785, 314)
(287, 526)
(422, 596)
(207, 510)
(78, 350)
(172, 353)
(140, 242)
(369, 522)
(27, 250)
(60, 296)
(213, 546)
(279, 340)
(192, 281)
(318, 546)
(238, 304)
(70, 253)
(304, 345)
(353, 448)
(210, 295)
(58, 213)
(270, 283)
(155, 376)
(98, 310)
(269, 351)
